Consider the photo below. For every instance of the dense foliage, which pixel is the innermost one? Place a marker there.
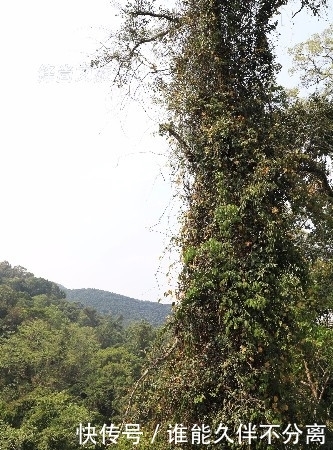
(118, 305)
(313, 60)
(251, 337)
(60, 364)
(246, 341)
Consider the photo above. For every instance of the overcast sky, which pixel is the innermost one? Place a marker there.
(86, 199)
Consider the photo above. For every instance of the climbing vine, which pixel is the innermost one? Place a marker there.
(258, 197)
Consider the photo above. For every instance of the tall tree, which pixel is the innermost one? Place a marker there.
(254, 177)
(313, 59)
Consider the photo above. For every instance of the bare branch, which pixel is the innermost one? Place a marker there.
(156, 15)
(297, 12)
(328, 56)
(146, 40)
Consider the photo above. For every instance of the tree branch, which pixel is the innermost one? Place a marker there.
(297, 12)
(327, 379)
(312, 385)
(312, 168)
(156, 15)
(188, 152)
(146, 40)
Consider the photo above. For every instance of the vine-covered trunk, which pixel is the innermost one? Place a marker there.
(251, 181)
(243, 273)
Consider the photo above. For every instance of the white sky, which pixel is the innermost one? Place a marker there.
(82, 182)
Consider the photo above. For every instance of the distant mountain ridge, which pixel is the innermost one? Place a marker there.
(130, 309)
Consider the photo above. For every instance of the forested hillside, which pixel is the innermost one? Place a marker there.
(61, 364)
(117, 305)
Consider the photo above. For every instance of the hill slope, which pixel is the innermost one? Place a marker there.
(119, 305)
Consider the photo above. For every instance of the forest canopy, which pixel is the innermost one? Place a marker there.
(61, 364)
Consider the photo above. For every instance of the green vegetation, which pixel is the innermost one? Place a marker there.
(246, 342)
(249, 341)
(129, 309)
(60, 364)
(313, 61)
